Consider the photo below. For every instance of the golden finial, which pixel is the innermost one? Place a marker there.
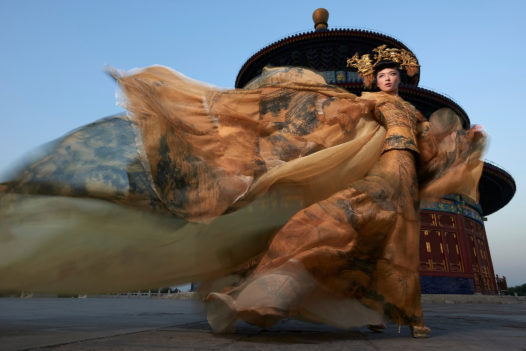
(320, 17)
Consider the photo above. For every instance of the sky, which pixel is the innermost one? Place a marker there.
(53, 55)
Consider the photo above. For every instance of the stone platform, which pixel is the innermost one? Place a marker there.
(458, 322)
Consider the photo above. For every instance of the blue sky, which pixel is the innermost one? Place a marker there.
(52, 56)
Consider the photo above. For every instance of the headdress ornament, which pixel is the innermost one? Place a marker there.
(365, 65)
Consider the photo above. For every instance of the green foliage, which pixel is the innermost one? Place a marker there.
(519, 289)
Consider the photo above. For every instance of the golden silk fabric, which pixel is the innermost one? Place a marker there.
(307, 192)
(230, 144)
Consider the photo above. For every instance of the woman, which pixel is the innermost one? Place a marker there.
(194, 184)
(354, 257)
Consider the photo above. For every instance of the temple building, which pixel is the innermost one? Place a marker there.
(454, 253)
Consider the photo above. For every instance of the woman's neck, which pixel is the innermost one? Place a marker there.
(394, 94)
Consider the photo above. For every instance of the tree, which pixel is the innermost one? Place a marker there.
(519, 289)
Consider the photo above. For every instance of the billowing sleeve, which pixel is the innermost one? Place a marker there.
(450, 158)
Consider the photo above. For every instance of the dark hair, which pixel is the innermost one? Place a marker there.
(385, 64)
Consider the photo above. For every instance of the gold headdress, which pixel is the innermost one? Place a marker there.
(365, 65)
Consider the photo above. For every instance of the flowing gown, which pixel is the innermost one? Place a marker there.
(348, 260)
(289, 198)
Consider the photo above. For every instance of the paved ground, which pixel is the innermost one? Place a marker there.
(169, 324)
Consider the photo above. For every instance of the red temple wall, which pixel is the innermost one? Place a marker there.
(454, 249)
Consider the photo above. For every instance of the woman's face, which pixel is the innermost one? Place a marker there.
(388, 80)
